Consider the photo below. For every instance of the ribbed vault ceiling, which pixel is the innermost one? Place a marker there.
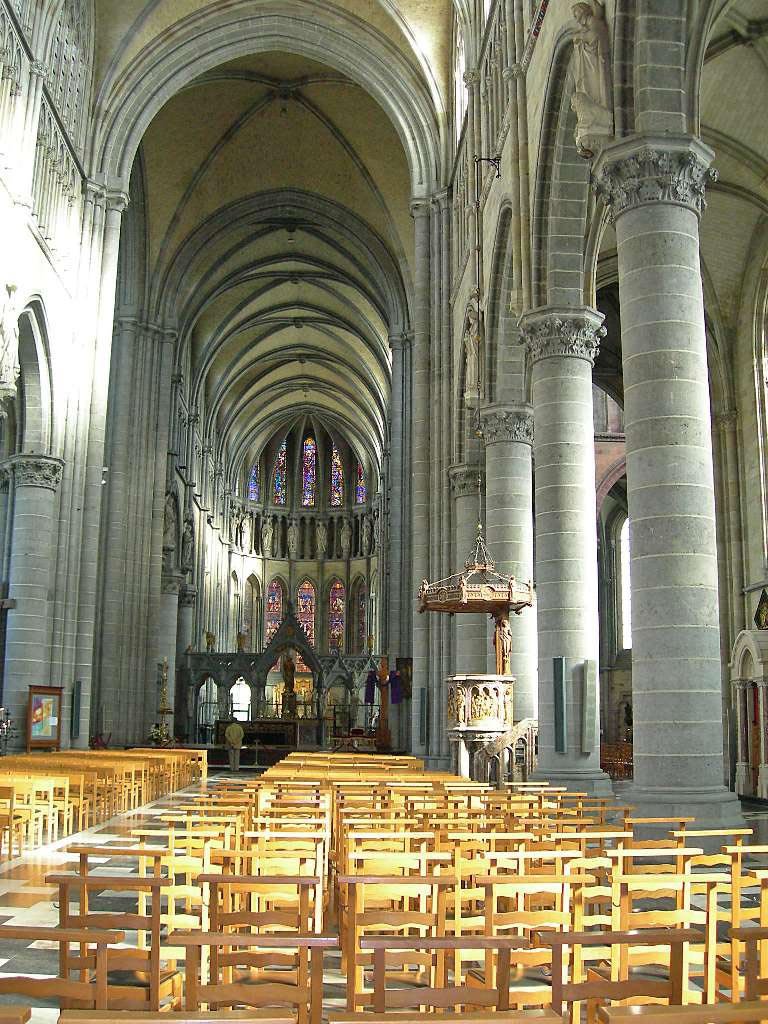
(278, 217)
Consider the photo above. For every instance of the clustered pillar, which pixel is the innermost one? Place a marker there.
(562, 344)
(35, 481)
(654, 191)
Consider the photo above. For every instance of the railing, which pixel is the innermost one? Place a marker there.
(56, 186)
(12, 63)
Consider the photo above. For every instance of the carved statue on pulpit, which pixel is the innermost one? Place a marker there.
(502, 642)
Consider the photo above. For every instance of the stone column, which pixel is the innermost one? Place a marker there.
(654, 190)
(508, 435)
(28, 631)
(420, 498)
(398, 488)
(562, 344)
(472, 631)
(743, 781)
(762, 721)
(182, 701)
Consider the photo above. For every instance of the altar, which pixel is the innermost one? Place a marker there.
(293, 733)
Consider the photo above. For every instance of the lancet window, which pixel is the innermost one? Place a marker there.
(337, 479)
(274, 614)
(279, 486)
(336, 616)
(361, 489)
(309, 472)
(361, 609)
(254, 483)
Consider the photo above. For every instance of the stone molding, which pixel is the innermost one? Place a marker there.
(463, 479)
(507, 423)
(653, 169)
(36, 471)
(568, 332)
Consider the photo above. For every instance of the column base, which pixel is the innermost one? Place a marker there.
(438, 763)
(711, 808)
(593, 782)
(743, 783)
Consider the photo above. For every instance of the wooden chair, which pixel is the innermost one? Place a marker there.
(146, 1017)
(14, 1014)
(475, 1017)
(436, 957)
(383, 903)
(619, 983)
(253, 952)
(722, 1013)
(91, 990)
(139, 980)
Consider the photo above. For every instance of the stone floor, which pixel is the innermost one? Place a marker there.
(25, 899)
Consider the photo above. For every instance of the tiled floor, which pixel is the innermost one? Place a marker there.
(25, 899)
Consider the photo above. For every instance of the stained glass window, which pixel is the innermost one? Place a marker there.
(274, 609)
(279, 489)
(254, 488)
(361, 491)
(336, 604)
(362, 606)
(337, 479)
(308, 472)
(305, 600)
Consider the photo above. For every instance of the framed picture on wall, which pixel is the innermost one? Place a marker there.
(44, 718)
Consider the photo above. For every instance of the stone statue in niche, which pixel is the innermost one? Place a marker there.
(293, 539)
(188, 544)
(169, 524)
(9, 344)
(239, 528)
(471, 346)
(346, 538)
(367, 536)
(592, 100)
(266, 538)
(321, 538)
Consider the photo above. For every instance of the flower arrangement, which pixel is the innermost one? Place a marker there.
(159, 734)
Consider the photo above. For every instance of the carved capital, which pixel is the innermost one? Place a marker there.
(188, 597)
(649, 169)
(569, 331)
(463, 479)
(171, 584)
(471, 77)
(38, 69)
(726, 421)
(507, 423)
(37, 471)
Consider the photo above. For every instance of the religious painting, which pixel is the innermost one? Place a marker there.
(761, 614)
(361, 490)
(337, 479)
(336, 609)
(279, 486)
(405, 667)
(44, 717)
(309, 472)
